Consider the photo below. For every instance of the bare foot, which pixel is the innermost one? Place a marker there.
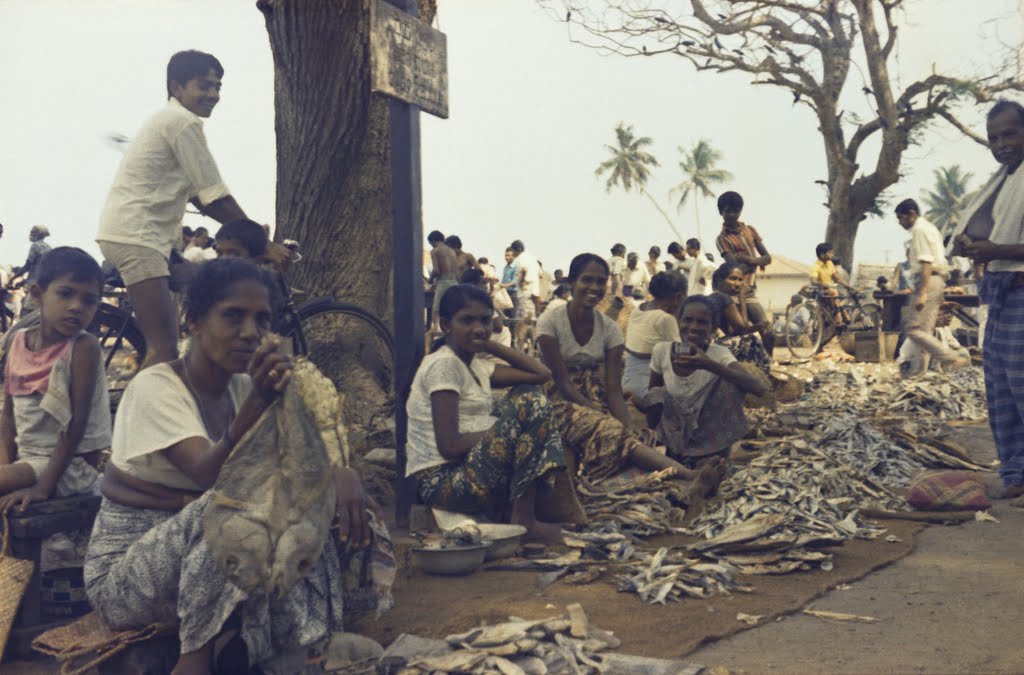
(705, 483)
(1011, 492)
(955, 364)
(544, 533)
(194, 663)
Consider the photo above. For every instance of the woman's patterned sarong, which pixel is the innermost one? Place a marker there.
(149, 566)
(690, 434)
(601, 445)
(522, 447)
(748, 349)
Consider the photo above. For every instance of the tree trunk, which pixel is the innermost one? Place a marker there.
(696, 214)
(334, 175)
(663, 214)
(841, 233)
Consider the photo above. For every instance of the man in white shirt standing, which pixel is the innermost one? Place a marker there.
(701, 269)
(167, 165)
(928, 267)
(528, 280)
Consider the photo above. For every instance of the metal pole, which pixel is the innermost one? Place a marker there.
(407, 242)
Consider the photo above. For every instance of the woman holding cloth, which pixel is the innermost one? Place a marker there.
(148, 561)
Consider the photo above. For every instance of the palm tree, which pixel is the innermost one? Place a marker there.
(700, 174)
(630, 167)
(947, 197)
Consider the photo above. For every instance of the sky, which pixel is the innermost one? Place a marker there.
(530, 113)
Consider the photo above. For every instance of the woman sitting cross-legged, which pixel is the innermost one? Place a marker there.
(583, 348)
(467, 452)
(695, 399)
(729, 302)
(148, 561)
(653, 322)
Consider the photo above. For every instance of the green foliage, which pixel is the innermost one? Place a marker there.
(629, 164)
(699, 172)
(948, 196)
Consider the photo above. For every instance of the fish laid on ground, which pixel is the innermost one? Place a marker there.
(563, 644)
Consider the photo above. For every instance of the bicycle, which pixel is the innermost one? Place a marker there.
(811, 324)
(319, 328)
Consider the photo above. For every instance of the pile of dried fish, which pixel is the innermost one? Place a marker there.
(561, 644)
(790, 500)
(959, 395)
(673, 575)
(645, 505)
(891, 455)
(861, 446)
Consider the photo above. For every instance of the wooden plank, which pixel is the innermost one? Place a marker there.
(408, 59)
(43, 525)
(59, 505)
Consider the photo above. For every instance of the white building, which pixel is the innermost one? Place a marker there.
(777, 284)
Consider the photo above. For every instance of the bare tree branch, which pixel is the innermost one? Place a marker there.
(806, 47)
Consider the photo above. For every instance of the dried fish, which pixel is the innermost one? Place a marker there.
(644, 505)
(839, 616)
(561, 644)
(672, 574)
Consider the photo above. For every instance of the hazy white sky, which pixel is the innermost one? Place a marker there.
(530, 114)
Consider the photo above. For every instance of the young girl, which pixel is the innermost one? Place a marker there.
(695, 399)
(729, 303)
(654, 322)
(56, 414)
(467, 453)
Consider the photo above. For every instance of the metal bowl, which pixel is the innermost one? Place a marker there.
(504, 539)
(455, 560)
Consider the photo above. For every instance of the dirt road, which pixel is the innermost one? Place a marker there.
(954, 605)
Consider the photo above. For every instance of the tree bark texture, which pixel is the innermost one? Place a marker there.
(333, 151)
(334, 177)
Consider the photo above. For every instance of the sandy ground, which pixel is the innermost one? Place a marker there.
(952, 606)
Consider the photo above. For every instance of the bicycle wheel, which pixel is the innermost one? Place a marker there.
(121, 343)
(804, 329)
(337, 336)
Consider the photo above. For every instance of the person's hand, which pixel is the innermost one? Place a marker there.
(982, 251)
(270, 368)
(279, 256)
(685, 365)
(22, 498)
(350, 509)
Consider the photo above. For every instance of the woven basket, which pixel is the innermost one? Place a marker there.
(15, 575)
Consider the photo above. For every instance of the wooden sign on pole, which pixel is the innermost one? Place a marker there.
(408, 59)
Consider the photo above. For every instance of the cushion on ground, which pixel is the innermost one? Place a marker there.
(947, 490)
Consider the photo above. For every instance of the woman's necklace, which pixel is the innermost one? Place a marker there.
(199, 401)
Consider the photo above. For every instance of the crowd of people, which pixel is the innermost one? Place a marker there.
(528, 387)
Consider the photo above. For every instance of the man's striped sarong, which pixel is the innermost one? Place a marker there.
(1004, 382)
